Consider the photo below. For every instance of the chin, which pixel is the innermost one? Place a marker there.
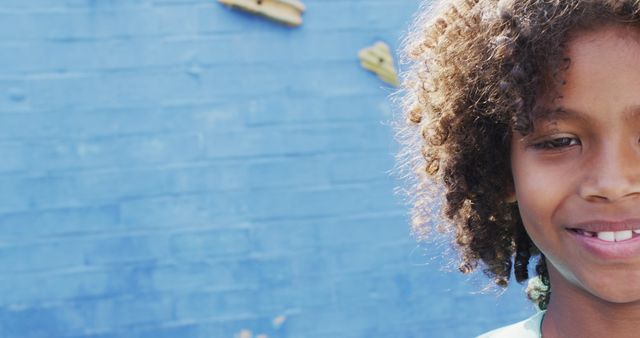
(624, 296)
(618, 284)
(621, 289)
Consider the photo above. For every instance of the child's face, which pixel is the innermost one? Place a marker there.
(577, 177)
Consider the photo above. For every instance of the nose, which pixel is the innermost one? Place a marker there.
(614, 173)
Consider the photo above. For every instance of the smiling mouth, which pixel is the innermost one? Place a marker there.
(609, 236)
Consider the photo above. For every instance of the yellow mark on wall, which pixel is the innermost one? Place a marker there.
(244, 334)
(288, 12)
(278, 321)
(378, 59)
(248, 334)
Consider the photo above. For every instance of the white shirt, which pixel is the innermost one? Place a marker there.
(529, 328)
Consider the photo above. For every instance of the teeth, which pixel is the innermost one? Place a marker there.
(608, 236)
(616, 236)
(587, 233)
(623, 235)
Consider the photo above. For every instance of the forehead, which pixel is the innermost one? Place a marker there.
(602, 74)
(601, 41)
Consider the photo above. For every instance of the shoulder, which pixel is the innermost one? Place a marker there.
(529, 328)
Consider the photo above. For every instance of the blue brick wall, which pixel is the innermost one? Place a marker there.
(172, 168)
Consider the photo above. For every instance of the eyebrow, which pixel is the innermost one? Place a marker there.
(563, 113)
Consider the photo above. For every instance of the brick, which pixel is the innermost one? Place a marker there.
(217, 19)
(61, 222)
(42, 256)
(266, 204)
(12, 196)
(13, 158)
(136, 89)
(205, 305)
(15, 96)
(126, 248)
(115, 151)
(70, 285)
(197, 245)
(282, 236)
(93, 55)
(113, 124)
(198, 274)
(88, 22)
(306, 171)
(20, 322)
(360, 167)
(298, 140)
(196, 210)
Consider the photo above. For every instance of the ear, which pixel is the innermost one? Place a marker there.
(510, 196)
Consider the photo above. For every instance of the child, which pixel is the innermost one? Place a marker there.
(523, 122)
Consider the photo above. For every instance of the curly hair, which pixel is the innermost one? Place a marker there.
(478, 70)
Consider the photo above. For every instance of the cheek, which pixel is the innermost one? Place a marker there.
(533, 191)
(540, 184)
(540, 192)
(541, 202)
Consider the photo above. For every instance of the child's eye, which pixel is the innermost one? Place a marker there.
(557, 143)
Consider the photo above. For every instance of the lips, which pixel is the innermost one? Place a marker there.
(608, 239)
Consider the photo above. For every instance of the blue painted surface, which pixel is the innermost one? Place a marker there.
(172, 168)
